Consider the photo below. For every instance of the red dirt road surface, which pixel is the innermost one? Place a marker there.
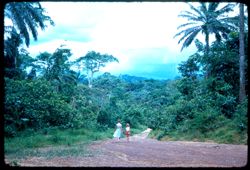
(143, 152)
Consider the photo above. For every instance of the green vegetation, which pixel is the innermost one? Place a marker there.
(57, 142)
(31, 139)
(55, 105)
(54, 137)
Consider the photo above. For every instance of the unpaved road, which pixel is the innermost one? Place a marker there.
(143, 152)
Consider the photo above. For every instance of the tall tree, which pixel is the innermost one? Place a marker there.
(27, 16)
(93, 61)
(242, 92)
(54, 66)
(207, 19)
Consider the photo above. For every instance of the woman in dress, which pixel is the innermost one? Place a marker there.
(118, 130)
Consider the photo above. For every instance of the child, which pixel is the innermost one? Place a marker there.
(127, 131)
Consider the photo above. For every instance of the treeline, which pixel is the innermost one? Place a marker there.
(197, 105)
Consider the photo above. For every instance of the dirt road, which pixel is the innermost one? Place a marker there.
(143, 152)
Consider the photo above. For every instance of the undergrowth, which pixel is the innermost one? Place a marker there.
(56, 142)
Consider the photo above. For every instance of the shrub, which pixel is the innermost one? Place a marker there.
(240, 116)
(36, 102)
(208, 120)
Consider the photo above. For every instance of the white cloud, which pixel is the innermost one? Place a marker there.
(138, 25)
(124, 25)
(50, 47)
(133, 32)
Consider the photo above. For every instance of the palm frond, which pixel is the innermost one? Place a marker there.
(37, 15)
(225, 9)
(233, 21)
(27, 16)
(208, 20)
(195, 9)
(184, 36)
(190, 39)
(229, 27)
(187, 34)
(183, 25)
(203, 8)
(7, 12)
(212, 6)
(189, 13)
(187, 31)
(18, 21)
(190, 18)
(31, 25)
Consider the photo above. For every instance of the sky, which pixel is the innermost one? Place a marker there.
(139, 34)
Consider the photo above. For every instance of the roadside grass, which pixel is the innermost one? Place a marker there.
(56, 142)
(228, 135)
(75, 140)
(225, 135)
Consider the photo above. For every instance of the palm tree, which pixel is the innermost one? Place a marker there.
(26, 16)
(11, 49)
(207, 19)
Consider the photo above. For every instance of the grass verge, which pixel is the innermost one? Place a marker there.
(224, 135)
(55, 142)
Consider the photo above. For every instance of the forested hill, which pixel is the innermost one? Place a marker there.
(130, 78)
(172, 108)
(155, 71)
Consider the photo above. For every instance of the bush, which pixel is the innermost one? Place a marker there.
(240, 116)
(206, 120)
(133, 116)
(35, 102)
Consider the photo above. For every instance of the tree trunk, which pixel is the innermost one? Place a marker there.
(90, 78)
(242, 92)
(206, 54)
(207, 44)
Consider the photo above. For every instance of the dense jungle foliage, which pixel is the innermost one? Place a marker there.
(44, 92)
(190, 106)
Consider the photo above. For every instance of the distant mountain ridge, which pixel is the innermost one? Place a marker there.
(149, 71)
(155, 71)
(131, 79)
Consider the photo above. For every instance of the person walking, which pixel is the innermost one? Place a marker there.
(118, 130)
